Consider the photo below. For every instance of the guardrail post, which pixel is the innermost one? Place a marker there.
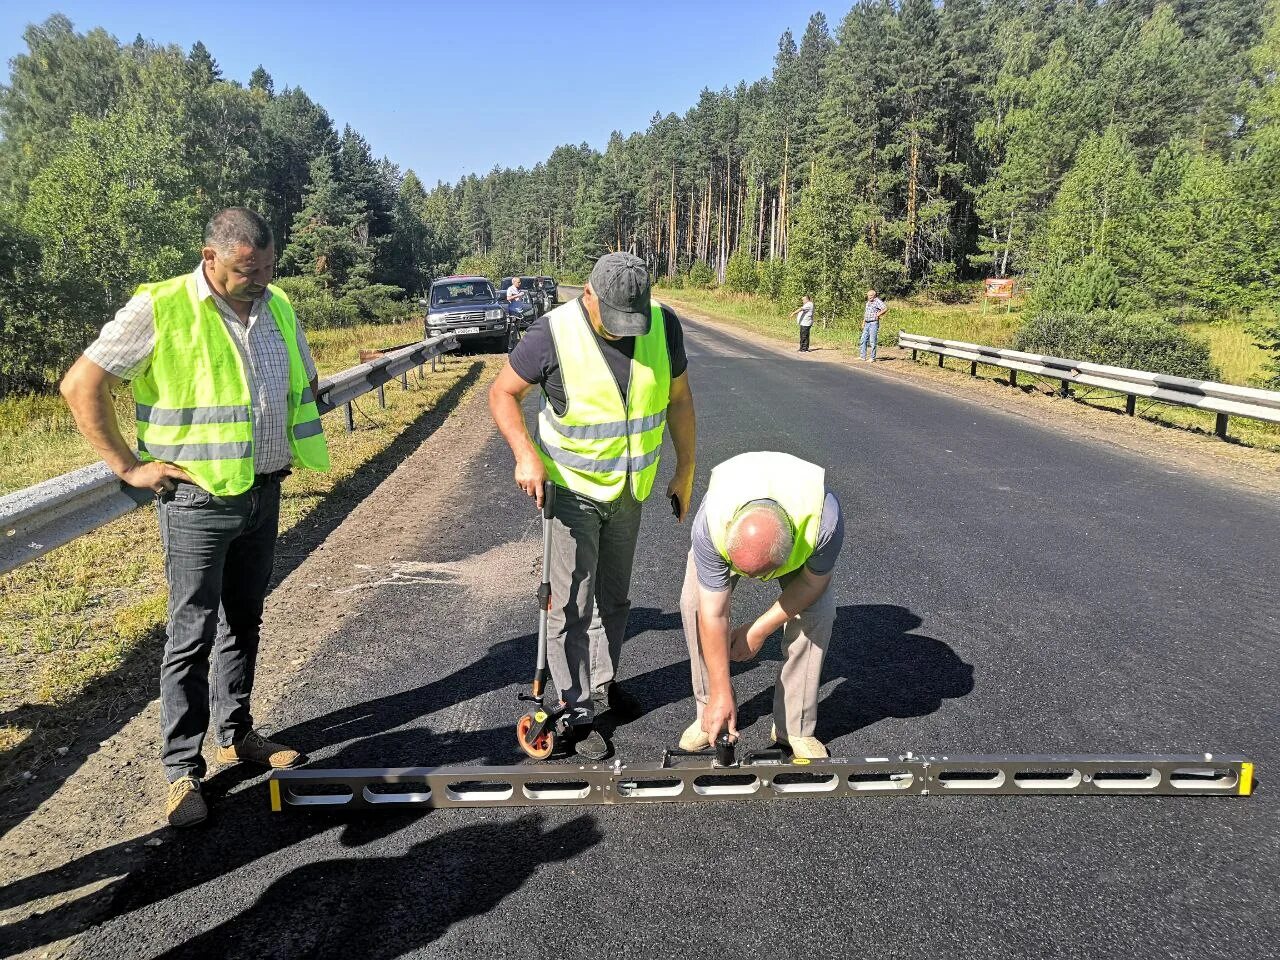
(1131, 404)
(351, 419)
(1013, 377)
(382, 397)
(1220, 426)
(973, 368)
(913, 355)
(404, 379)
(1066, 388)
(940, 359)
(434, 358)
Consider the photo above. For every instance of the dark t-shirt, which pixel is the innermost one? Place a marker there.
(534, 357)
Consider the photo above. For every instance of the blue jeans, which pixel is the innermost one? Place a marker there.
(218, 554)
(870, 333)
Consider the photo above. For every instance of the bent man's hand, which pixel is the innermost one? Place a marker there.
(530, 477)
(744, 643)
(155, 475)
(720, 714)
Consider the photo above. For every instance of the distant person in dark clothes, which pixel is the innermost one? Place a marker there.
(804, 317)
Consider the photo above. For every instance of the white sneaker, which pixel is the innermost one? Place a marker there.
(803, 748)
(694, 737)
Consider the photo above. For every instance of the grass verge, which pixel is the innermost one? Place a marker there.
(70, 620)
(1230, 344)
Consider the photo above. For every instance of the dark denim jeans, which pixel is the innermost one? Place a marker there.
(218, 553)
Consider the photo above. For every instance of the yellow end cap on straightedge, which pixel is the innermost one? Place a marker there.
(274, 785)
(1246, 779)
(540, 716)
(800, 760)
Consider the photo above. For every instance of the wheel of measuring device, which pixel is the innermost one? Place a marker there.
(539, 747)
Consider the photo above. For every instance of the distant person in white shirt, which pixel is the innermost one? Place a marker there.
(804, 317)
(875, 309)
(514, 291)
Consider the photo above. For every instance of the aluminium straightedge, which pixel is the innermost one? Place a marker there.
(904, 775)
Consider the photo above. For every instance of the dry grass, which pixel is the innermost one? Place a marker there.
(69, 620)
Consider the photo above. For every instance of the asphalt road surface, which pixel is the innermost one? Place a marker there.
(1004, 588)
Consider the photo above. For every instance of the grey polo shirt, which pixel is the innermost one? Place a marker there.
(125, 345)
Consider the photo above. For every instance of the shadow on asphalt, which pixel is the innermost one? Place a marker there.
(135, 682)
(362, 900)
(884, 670)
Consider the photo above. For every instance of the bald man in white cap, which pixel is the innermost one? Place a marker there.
(768, 516)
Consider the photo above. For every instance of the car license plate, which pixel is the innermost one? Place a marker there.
(469, 330)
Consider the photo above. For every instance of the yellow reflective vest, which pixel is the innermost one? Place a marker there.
(796, 485)
(602, 437)
(193, 401)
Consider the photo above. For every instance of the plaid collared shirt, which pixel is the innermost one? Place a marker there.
(125, 345)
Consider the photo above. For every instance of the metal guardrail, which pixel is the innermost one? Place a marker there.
(40, 518)
(1224, 399)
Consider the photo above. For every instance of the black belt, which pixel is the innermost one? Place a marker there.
(277, 477)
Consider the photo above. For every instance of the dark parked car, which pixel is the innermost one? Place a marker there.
(530, 294)
(472, 310)
(549, 290)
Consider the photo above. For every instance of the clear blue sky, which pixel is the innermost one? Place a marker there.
(520, 77)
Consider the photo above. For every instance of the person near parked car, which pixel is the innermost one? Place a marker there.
(514, 291)
(225, 392)
(804, 317)
(871, 314)
(611, 369)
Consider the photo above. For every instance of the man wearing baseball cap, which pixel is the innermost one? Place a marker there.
(611, 366)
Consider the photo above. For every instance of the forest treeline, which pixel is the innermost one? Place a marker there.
(1121, 159)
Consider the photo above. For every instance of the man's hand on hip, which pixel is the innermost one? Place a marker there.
(155, 475)
(531, 475)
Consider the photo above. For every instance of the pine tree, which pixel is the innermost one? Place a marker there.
(327, 236)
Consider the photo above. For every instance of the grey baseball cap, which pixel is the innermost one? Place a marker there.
(621, 284)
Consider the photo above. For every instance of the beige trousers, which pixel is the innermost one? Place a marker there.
(805, 638)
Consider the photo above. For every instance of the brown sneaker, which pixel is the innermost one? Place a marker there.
(185, 806)
(255, 748)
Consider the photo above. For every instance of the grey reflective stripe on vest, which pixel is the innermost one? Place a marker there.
(606, 431)
(645, 460)
(187, 416)
(237, 450)
(579, 462)
(618, 464)
(307, 397)
(307, 428)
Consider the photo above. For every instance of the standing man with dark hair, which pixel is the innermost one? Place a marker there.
(611, 368)
(225, 389)
(804, 317)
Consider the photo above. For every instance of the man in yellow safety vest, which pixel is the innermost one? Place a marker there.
(224, 388)
(611, 371)
(768, 516)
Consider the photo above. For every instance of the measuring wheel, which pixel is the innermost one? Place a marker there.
(538, 747)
